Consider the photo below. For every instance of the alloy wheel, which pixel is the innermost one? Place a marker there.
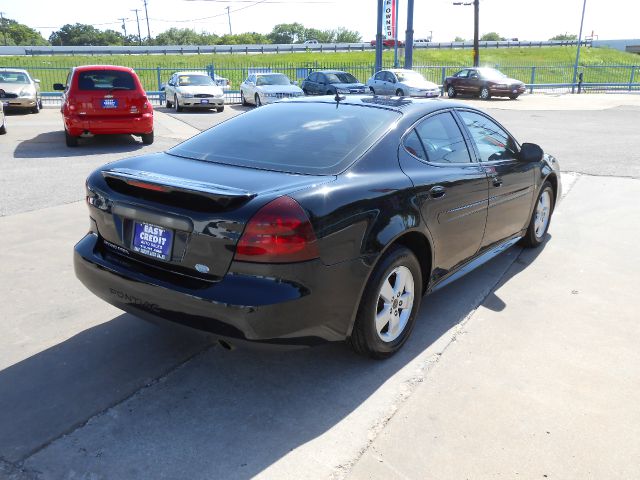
(543, 212)
(395, 303)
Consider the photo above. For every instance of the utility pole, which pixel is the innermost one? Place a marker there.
(4, 32)
(124, 28)
(476, 29)
(379, 38)
(575, 67)
(138, 22)
(229, 16)
(395, 38)
(408, 39)
(146, 14)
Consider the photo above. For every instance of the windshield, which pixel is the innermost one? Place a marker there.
(190, 80)
(341, 77)
(273, 80)
(17, 78)
(105, 80)
(409, 77)
(491, 73)
(296, 137)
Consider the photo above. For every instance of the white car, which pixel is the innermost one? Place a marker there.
(3, 125)
(402, 83)
(18, 90)
(193, 90)
(261, 88)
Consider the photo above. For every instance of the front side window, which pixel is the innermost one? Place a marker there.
(462, 74)
(379, 76)
(105, 80)
(492, 142)
(341, 77)
(443, 140)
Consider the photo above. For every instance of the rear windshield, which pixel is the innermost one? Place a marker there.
(105, 80)
(306, 138)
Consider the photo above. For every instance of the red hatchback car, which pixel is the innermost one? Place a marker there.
(105, 100)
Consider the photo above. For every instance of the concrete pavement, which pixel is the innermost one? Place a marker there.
(544, 379)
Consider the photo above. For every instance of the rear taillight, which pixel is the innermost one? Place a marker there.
(280, 232)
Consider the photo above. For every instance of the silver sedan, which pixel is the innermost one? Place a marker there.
(193, 90)
(403, 83)
(19, 90)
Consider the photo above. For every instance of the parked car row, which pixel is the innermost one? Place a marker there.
(19, 90)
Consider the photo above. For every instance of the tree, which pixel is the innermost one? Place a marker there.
(344, 35)
(81, 34)
(564, 36)
(459, 39)
(322, 36)
(491, 37)
(184, 36)
(14, 33)
(287, 33)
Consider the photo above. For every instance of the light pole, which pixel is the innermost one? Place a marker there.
(476, 28)
(138, 22)
(124, 28)
(408, 39)
(379, 38)
(229, 16)
(575, 67)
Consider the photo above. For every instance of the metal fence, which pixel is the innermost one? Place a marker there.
(595, 78)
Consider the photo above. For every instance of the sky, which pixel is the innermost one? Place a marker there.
(524, 19)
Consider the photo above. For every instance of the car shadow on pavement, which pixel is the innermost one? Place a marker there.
(52, 144)
(219, 415)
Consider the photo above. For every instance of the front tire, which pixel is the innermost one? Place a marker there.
(3, 128)
(389, 305)
(220, 109)
(513, 97)
(399, 93)
(257, 100)
(541, 217)
(176, 105)
(485, 94)
(451, 92)
(373, 92)
(242, 99)
(36, 107)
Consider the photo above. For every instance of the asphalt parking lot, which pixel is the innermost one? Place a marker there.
(526, 368)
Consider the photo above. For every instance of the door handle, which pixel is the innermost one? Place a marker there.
(497, 181)
(437, 192)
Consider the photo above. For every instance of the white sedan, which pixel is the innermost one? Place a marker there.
(401, 82)
(193, 90)
(261, 88)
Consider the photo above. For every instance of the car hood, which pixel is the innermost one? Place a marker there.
(195, 89)
(348, 85)
(279, 89)
(427, 85)
(13, 88)
(507, 81)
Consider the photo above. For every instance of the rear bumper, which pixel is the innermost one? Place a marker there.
(105, 125)
(299, 304)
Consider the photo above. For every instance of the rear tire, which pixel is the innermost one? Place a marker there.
(383, 323)
(451, 92)
(147, 138)
(70, 140)
(540, 218)
(485, 94)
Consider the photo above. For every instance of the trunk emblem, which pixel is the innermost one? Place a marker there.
(108, 96)
(202, 268)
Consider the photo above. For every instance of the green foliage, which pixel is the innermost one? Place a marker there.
(185, 36)
(287, 33)
(459, 39)
(80, 34)
(565, 36)
(492, 37)
(14, 33)
(344, 35)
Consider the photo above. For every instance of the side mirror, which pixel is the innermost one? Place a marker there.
(530, 152)
(162, 88)
(295, 82)
(36, 80)
(58, 86)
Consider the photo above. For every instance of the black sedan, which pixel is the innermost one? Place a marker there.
(331, 82)
(328, 223)
(484, 83)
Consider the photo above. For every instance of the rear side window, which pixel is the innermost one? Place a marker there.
(493, 142)
(443, 140)
(413, 145)
(306, 138)
(105, 80)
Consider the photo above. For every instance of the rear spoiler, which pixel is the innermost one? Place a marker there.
(221, 194)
